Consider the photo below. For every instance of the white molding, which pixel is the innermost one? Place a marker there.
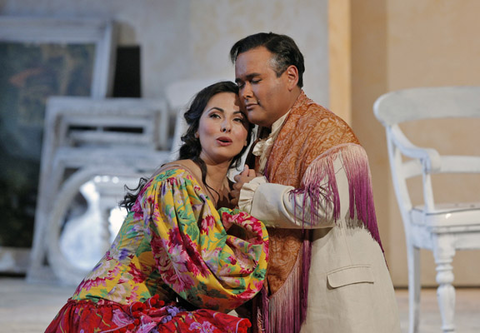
(101, 32)
(98, 31)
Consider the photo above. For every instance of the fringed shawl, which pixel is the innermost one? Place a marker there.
(302, 156)
(320, 190)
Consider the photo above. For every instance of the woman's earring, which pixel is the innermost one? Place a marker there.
(196, 135)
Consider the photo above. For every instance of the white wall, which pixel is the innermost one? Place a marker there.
(183, 39)
(216, 26)
(404, 44)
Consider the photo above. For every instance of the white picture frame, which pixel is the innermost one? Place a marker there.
(99, 32)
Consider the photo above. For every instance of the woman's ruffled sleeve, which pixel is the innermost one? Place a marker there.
(193, 252)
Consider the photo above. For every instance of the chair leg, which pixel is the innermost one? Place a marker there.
(413, 255)
(50, 181)
(443, 251)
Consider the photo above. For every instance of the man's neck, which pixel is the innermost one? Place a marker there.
(294, 97)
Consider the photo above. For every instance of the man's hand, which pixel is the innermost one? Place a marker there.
(244, 177)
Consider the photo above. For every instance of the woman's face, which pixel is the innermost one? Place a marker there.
(223, 129)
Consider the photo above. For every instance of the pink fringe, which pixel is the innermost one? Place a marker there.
(306, 263)
(286, 310)
(265, 312)
(355, 162)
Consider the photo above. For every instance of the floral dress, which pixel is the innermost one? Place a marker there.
(172, 254)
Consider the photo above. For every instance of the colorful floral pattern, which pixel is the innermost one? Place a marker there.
(173, 243)
(152, 316)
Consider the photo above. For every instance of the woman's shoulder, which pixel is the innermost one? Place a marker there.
(183, 165)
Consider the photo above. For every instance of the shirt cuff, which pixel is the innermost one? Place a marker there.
(248, 192)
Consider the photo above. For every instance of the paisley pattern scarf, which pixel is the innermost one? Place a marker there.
(308, 132)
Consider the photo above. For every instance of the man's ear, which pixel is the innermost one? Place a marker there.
(292, 77)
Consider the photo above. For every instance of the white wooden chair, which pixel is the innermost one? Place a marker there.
(440, 227)
(85, 137)
(114, 138)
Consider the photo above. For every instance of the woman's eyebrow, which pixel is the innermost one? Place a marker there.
(216, 108)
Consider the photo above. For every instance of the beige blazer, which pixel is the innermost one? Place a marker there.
(350, 289)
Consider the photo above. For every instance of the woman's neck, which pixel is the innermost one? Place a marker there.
(217, 175)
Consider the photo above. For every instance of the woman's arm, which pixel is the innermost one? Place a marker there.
(194, 254)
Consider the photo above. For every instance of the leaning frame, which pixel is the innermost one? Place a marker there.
(102, 34)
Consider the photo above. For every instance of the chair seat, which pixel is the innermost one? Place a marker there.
(456, 215)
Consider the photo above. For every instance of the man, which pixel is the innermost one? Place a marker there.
(326, 272)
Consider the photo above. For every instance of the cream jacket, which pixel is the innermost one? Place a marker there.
(350, 289)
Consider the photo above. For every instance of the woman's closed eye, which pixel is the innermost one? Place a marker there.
(239, 119)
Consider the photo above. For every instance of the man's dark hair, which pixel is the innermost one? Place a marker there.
(285, 51)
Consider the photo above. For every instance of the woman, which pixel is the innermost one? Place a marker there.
(173, 267)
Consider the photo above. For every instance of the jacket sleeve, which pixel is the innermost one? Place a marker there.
(282, 206)
(336, 184)
(192, 250)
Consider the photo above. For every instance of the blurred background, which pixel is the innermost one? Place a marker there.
(355, 51)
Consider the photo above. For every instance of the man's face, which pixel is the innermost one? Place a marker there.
(263, 94)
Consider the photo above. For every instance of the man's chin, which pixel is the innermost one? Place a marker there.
(255, 119)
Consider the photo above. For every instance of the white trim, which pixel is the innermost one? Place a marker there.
(51, 30)
(98, 31)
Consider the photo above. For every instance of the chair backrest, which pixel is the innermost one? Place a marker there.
(180, 93)
(425, 103)
(78, 121)
(178, 96)
(407, 105)
(101, 125)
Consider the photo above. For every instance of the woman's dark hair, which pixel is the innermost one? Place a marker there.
(191, 147)
(285, 51)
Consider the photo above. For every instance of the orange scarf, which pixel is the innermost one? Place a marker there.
(308, 131)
